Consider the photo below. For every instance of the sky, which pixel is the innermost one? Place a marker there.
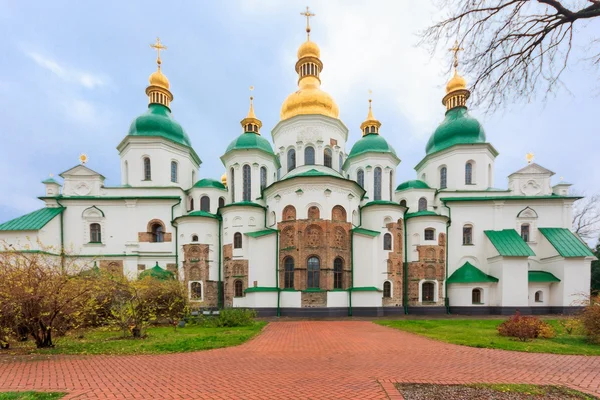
(73, 75)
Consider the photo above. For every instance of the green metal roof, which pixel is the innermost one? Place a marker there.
(364, 289)
(51, 180)
(249, 141)
(210, 183)
(381, 203)
(414, 184)
(541, 276)
(422, 214)
(367, 232)
(201, 213)
(457, 128)
(491, 198)
(470, 274)
(158, 273)
(566, 242)
(243, 204)
(509, 243)
(312, 172)
(371, 143)
(261, 289)
(261, 233)
(34, 221)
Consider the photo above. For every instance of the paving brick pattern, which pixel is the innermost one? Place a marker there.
(296, 360)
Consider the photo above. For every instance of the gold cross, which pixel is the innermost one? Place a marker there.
(456, 49)
(158, 46)
(307, 14)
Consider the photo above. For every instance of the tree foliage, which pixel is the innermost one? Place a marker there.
(514, 47)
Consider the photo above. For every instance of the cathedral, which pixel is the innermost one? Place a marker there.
(311, 226)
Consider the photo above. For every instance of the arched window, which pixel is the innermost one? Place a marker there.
(525, 232)
(147, 169)
(314, 212)
(422, 204)
(340, 162)
(205, 203)
(194, 238)
(195, 291)
(126, 173)
(360, 178)
(232, 184)
(387, 289)
(468, 173)
(247, 175)
(221, 202)
(428, 290)
(291, 159)
(387, 241)
(391, 185)
(429, 234)
(263, 177)
(173, 171)
(539, 296)
(288, 277)
(238, 288)
(309, 155)
(338, 267)
(289, 213)
(314, 271)
(403, 203)
(476, 296)
(327, 155)
(468, 234)
(377, 183)
(95, 233)
(443, 172)
(191, 203)
(237, 240)
(158, 234)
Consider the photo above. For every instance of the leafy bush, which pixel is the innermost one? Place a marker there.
(525, 328)
(233, 317)
(590, 317)
(572, 326)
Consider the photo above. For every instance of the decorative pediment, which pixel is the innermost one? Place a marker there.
(527, 212)
(80, 171)
(533, 169)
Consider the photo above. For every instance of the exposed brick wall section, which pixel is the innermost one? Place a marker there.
(394, 262)
(115, 267)
(431, 266)
(314, 299)
(301, 239)
(235, 269)
(196, 268)
(147, 236)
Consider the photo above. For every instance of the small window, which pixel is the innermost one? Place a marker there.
(173, 171)
(195, 291)
(468, 234)
(539, 296)
(221, 202)
(360, 178)
(288, 278)
(237, 240)
(377, 183)
(238, 288)
(205, 203)
(158, 234)
(291, 159)
(387, 241)
(422, 204)
(387, 289)
(338, 267)
(476, 296)
(340, 162)
(314, 212)
(232, 185)
(525, 232)
(429, 234)
(391, 186)
(468, 173)
(428, 289)
(95, 233)
(403, 203)
(327, 157)
(147, 169)
(314, 272)
(443, 172)
(191, 204)
(247, 175)
(309, 156)
(194, 238)
(263, 177)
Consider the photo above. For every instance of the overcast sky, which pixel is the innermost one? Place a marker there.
(73, 75)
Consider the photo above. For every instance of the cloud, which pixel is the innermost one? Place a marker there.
(82, 78)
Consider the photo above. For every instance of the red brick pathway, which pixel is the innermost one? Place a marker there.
(297, 360)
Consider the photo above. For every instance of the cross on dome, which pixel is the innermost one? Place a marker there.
(455, 50)
(307, 14)
(158, 46)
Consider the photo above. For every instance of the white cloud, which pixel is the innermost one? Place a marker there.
(83, 78)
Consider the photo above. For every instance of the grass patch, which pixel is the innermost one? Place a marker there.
(159, 340)
(489, 391)
(534, 390)
(483, 333)
(31, 395)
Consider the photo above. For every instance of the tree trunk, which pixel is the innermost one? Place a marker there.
(44, 340)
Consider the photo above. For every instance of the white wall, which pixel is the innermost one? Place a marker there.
(367, 163)
(512, 290)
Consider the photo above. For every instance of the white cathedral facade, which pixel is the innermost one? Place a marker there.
(313, 226)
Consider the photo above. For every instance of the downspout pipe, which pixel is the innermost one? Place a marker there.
(352, 262)
(176, 235)
(62, 235)
(446, 299)
(405, 268)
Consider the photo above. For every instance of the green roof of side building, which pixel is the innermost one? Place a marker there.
(414, 184)
(509, 243)
(423, 214)
(367, 232)
(210, 183)
(312, 172)
(541, 276)
(470, 274)
(51, 180)
(249, 141)
(264, 232)
(457, 128)
(33, 221)
(158, 273)
(566, 242)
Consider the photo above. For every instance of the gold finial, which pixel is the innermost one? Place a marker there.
(251, 123)
(371, 124)
(455, 50)
(529, 157)
(83, 158)
(562, 178)
(51, 175)
(158, 46)
(307, 14)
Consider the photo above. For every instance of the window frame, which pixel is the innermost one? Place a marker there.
(387, 241)
(205, 203)
(147, 169)
(338, 273)
(174, 171)
(191, 290)
(422, 205)
(479, 296)
(263, 177)
(238, 288)
(95, 232)
(327, 157)
(428, 284)
(237, 240)
(429, 230)
(360, 177)
(469, 173)
(247, 183)
(313, 272)
(387, 290)
(158, 233)
(444, 177)
(291, 160)
(526, 233)
(309, 155)
(377, 178)
(288, 272)
(232, 184)
(467, 234)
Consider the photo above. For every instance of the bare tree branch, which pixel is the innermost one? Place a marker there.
(586, 217)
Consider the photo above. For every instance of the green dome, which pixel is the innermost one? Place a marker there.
(248, 141)
(457, 128)
(158, 121)
(371, 143)
(203, 183)
(414, 184)
(157, 273)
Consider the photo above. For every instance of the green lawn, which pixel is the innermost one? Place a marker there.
(483, 333)
(31, 396)
(159, 340)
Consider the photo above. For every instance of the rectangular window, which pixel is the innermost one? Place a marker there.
(467, 235)
(429, 234)
(525, 232)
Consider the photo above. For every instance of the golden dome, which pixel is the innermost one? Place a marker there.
(309, 99)
(159, 79)
(309, 49)
(224, 179)
(456, 83)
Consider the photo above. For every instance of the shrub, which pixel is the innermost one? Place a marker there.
(525, 328)
(572, 326)
(590, 317)
(233, 317)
